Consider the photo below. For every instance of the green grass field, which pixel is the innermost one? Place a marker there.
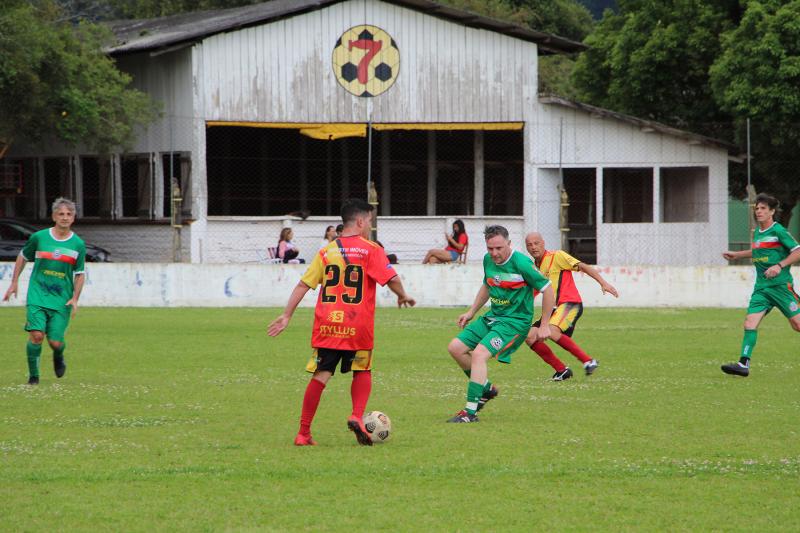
(183, 419)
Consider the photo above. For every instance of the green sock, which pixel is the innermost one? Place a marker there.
(58, 353)
(749, 343)
(487, 387)
(468, 373)
(474, 393)
(34, 351)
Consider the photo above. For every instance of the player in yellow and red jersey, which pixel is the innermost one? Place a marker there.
(558, 266)
(347, 271)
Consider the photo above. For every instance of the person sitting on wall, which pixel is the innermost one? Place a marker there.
(455, 246)
(287, 251)
(330, 235)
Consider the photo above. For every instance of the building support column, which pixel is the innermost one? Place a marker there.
(77, 172)
(432, 172)
(478, 149)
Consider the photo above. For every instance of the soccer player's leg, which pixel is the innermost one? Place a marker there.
(788, 302)
(56, 333)
(546, 354)
(759, 306)
(360, 362)
(322, 365)
(564, 320)
(35, 325)
(459, 349)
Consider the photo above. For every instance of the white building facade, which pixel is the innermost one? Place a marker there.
(236, 83)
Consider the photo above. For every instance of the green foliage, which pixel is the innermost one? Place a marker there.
(757, 76)
(56, 82)
(162, 8)
(183, 419)
(565, 18)
(652, 59)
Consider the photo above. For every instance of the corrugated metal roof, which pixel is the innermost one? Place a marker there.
(644, 125)
(177, 30)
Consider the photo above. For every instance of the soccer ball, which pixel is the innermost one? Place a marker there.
(378, 426)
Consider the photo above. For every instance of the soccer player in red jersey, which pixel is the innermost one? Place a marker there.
(558, 266)
(347, 270)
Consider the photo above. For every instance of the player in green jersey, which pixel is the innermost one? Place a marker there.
(510, 279)
(774, 250)
(54, 287)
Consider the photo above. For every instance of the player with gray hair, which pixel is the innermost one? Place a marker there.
(54, 288)
(510, 281)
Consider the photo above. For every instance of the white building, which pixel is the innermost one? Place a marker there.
(260, 120)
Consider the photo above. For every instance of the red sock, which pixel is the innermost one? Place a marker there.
(570, 346)
(544, 351)
(359, 391)
(310, 404)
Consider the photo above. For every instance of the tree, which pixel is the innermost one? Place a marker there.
(757, 76)
(707, 67)
(652, 60)
(56, 82)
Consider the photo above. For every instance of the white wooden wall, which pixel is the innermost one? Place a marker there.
(282, 72)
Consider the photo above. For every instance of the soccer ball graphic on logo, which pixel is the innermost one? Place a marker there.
(378, 426)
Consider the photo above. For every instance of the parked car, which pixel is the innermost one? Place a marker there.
(14, 234)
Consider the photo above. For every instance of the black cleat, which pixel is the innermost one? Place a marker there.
(59, 366)
(590, 366)
(33, 380)
(491, 394)
(736, 369)
(563, 375)
(463, 417)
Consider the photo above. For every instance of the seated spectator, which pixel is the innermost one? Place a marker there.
(391, 257)
(455, 245)
(330, 235)
(287, 251)
(339, 230)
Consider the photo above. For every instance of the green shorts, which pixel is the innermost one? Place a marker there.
(501, 338)
(53, 322)
(781, 296)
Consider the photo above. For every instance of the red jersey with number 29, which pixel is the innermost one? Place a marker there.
(347, 271)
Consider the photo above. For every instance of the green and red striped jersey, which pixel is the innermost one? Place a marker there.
(770, 247)
(511, 286)
(55, 263)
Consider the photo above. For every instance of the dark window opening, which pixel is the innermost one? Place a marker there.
(273, 171)
(627, 195)
(684, 194)
(580, 186)
(57, 179)
(91, 186)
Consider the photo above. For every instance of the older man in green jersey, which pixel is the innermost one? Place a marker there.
(774, 250)
(509, 281)
(54, 288)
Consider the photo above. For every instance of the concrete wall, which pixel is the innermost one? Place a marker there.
(246, 239)
(178, 285)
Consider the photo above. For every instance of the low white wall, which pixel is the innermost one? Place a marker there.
(178, 285)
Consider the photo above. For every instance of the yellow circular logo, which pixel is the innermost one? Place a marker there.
(366, 60)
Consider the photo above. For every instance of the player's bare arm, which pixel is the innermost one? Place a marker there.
(592, 272)
(740, 254)
(480, 300)
(776, 269)
(19, 266)
(548, 304)
(403, 299)
(280, 323)
(80, 279)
